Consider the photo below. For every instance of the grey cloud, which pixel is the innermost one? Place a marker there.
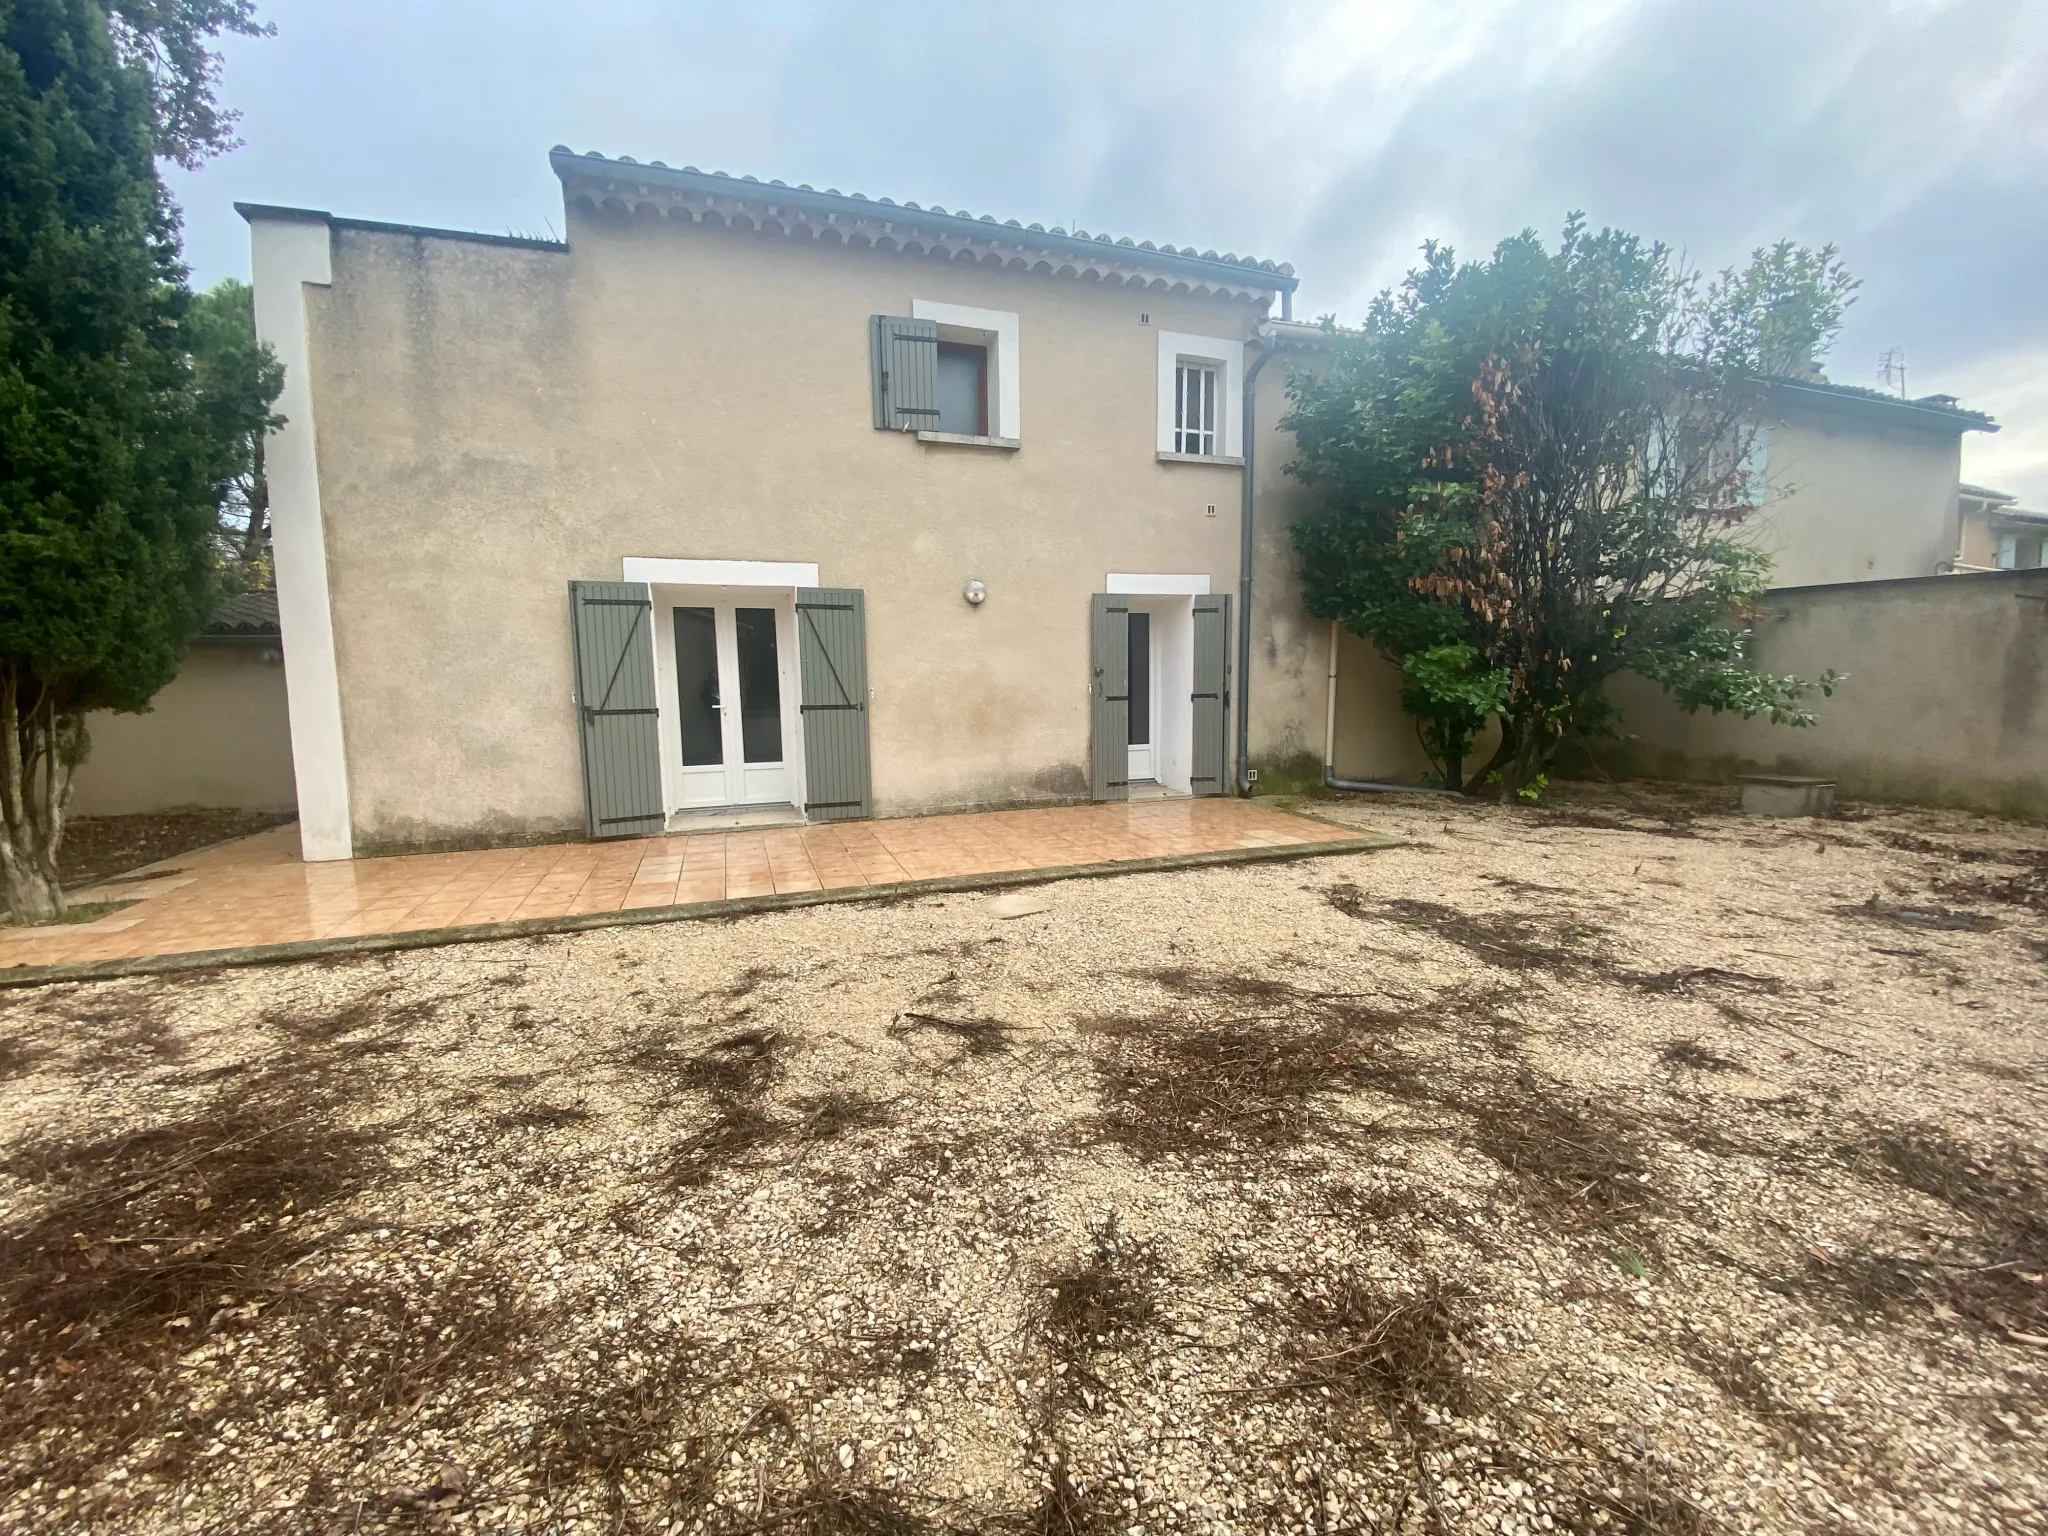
(1718, 126)
(1913, 135)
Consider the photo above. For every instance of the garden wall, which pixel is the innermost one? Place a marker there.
(1945, 701)
(216, 738)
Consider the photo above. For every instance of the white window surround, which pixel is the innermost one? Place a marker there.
(995, 329)
(1227, 357)
(719, 573)
(1148, 584)
(285, 255)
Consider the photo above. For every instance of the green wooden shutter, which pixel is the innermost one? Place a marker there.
(832, 651)
(904, 358)
(1210, 775)
(1109, 697)
(612, 625)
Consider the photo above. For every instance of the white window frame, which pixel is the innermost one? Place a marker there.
(995, 329)
(1226, 356)
(2008, 556)
(1195, 386)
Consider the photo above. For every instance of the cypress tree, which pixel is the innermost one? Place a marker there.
(111, 472)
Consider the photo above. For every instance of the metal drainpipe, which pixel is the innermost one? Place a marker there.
(1269, 343)
(1363, 786)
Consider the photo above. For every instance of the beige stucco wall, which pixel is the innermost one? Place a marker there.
(1290, 651)
(1978, 545)
(495, 422)
(216, 737)
(1945, 703)
(1851, 501)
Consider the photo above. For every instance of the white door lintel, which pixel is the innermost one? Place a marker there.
(1145, 584)
(719, 573)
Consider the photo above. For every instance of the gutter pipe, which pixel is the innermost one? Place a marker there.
(1363, 786)
(1269, 344)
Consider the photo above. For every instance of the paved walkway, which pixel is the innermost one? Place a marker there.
(258, 891)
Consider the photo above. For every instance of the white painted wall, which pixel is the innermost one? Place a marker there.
(287, 254)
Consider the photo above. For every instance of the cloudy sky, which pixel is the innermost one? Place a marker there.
(1335, 134)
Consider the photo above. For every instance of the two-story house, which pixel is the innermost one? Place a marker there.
(747, 500)
(1998, 534)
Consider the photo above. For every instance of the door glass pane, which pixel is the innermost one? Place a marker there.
(697, 687)
(760, 688)
(1141, 679)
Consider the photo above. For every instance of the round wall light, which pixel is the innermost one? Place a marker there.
(975, 593)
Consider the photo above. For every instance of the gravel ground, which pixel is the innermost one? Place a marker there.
(1623, 1165)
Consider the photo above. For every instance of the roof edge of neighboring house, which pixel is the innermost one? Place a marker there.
(1934, 412)
(1931, 411)
(244, 616)
(1243, 271)
(1303, 335)
(1985, 493)
(278, 213)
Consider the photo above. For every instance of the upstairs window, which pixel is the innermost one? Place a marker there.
(1201, 380)
(1194, 409)
(963, 389)
(947, 373)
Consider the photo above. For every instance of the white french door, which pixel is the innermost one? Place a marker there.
(729, 689)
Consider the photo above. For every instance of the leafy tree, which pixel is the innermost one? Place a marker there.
(237, 377)
(167, 40)
(1532, 474)
(113, 460)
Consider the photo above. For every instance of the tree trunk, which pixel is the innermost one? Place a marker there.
(1536, 744)
(256, 537)
(1509, 737)
(39, 748)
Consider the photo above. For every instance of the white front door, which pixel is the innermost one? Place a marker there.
(728, 679)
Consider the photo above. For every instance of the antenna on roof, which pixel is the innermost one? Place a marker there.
(1891, 367)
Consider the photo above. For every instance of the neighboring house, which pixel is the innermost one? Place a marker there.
(1998, 534)
(744, 499)
(1862, 486)
(215, 738)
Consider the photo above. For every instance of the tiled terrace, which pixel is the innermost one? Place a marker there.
(257, 891)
